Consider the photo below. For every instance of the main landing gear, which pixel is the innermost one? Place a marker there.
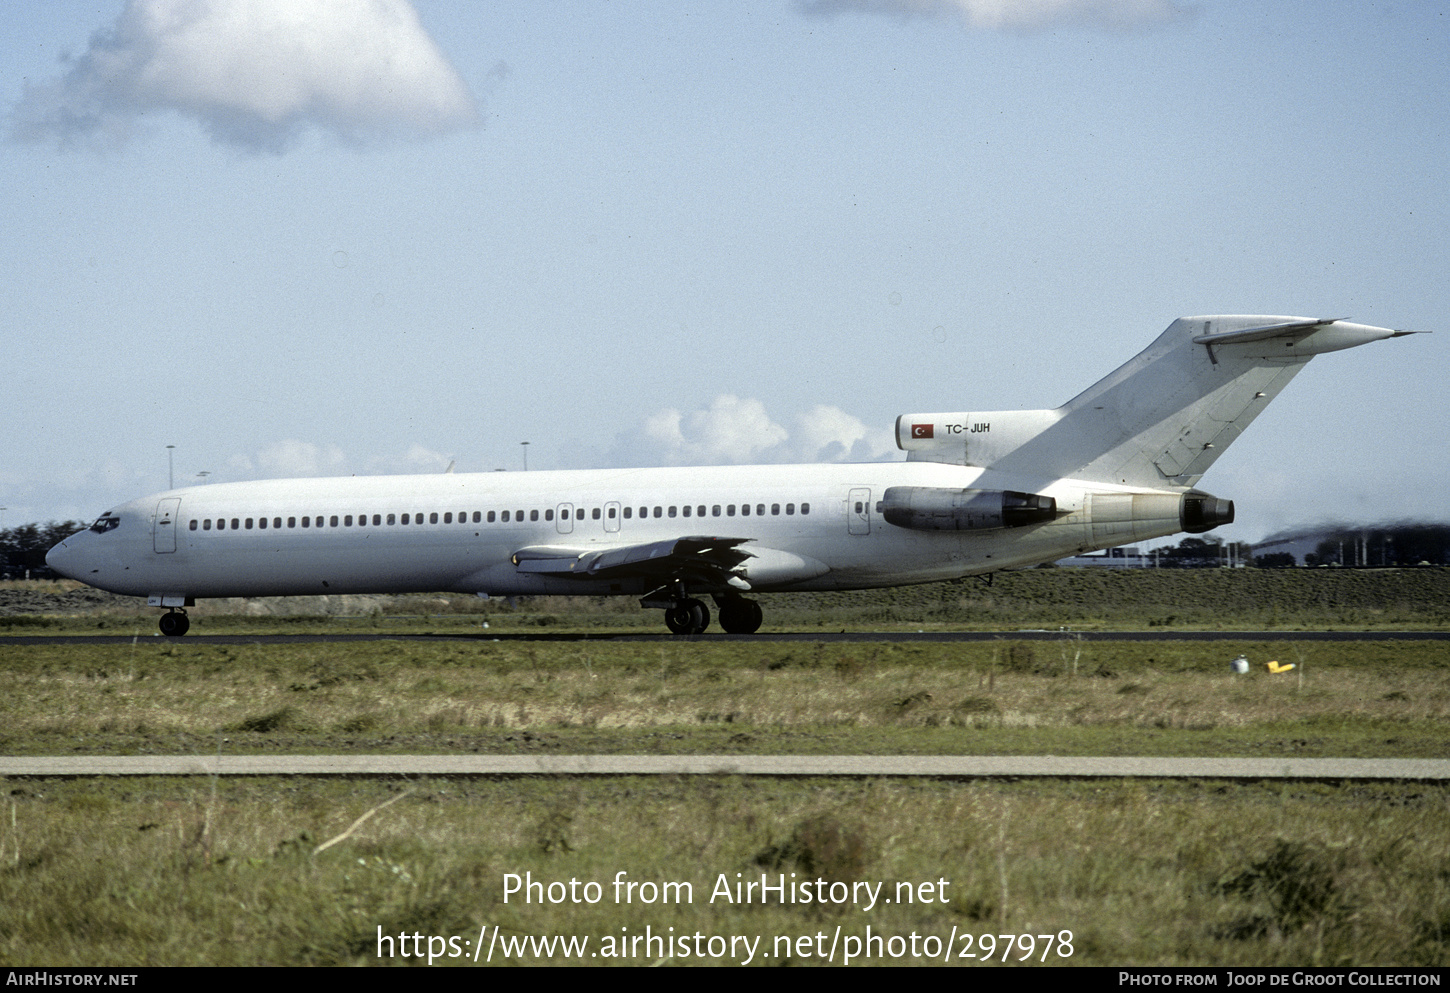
(688, 615)
(739, 615)
(174, 623)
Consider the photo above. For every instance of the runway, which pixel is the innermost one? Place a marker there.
(939, 766)
(831, 637)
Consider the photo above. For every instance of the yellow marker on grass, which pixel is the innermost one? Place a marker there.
(1275, 667)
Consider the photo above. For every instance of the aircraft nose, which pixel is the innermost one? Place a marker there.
(62, 558)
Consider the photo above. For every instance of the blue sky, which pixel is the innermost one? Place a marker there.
(292, 239)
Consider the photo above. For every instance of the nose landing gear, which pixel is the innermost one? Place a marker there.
(174, 623)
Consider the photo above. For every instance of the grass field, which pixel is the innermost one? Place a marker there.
(290, 871)
(1083, 599)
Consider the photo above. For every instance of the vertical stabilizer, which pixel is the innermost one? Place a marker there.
(1160, 420)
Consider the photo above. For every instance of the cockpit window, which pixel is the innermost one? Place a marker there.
(108, 521)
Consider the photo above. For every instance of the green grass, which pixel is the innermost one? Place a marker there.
(192, 870)
(1366, 699)
(168, 872)
(1082, 598)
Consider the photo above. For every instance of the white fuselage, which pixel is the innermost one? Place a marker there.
(347, 535)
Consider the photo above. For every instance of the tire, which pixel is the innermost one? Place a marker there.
(689, 616)
(174, 625)
(741, 616)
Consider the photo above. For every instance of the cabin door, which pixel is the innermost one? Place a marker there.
(858, 511)
(164, 530)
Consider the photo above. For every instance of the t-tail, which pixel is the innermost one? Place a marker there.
(1158, 422)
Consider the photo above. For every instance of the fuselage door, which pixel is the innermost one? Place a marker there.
(858, 511)
(611, 517)
(564, 516)
(163, 531)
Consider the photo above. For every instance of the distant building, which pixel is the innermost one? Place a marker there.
(1122, 557)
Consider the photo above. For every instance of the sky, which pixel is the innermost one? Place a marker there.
(325, 237)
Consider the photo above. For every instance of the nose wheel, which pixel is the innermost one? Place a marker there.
(174, 623)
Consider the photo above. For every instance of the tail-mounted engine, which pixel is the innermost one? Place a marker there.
(934, 508)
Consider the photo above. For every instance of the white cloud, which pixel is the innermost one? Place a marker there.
(290, 458)
(829, 434)
(255, 74)
(739, 431)
(1013, 15)
(731, 430)
(417, 459)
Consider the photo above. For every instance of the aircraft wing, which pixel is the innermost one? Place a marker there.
(701, 558)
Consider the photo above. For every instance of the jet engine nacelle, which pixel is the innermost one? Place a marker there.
(935, 508)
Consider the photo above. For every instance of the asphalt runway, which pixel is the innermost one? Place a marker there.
(796, 636)
(940, 766)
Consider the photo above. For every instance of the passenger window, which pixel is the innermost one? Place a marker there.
(247, 524)
(760, 510)
(306, 522)
(392, 519)
(262, 523)
(687, 510)
(730, 510)
(235, 522)
(672, 512)
(549, 514)
(332, 522)
(518, 515)
(504, 517)
(700, 510)
(404, 520)
(805, 508)
(789, 509)
(611, 513)
(628, 513)
(206, 524)
(659, 511)
(276, 522)
(594, 513)
(433, 517)
(448, 517)
(745, 510)
(858, 506)
(192, 525)
(491, 517)
(475, 517)
(533, 515)
(715, 510)
(377, 519)
(775, 510)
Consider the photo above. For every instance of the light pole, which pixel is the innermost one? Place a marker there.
(170, 467)
(526, 455)
(202, 476)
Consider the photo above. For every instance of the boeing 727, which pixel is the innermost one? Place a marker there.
(979, 491)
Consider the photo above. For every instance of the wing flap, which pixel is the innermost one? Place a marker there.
(696, 553)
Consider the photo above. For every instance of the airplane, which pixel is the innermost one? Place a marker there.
(979, 491)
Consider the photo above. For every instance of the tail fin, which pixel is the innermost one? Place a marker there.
(1158, 421)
